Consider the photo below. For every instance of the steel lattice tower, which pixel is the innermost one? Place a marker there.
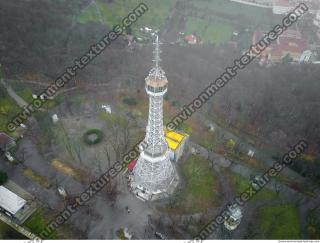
(154, 175)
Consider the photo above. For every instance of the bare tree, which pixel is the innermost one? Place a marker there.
(72, 146)
(119, 128)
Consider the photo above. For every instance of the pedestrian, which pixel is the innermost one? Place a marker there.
(128, 210)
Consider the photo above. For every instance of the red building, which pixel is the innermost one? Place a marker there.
(290, 42)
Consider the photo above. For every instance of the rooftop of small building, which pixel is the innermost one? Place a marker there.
(175, 138)
(10, 201)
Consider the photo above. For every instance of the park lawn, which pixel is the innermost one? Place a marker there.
(8, 110)
(195, 26)
(280, 222)
(25, 94)
(218, 33)
(208, 140)
(112, 13)
(242, 184)
(233, 11)
(200, 192)
(100, 12)
(209, 32)
(231, 8)
(38, 222)
(89, 14)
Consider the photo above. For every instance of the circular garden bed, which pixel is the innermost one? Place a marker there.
(93, 136)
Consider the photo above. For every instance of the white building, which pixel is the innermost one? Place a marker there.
(10, 203)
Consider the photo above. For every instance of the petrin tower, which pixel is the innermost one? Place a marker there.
(154, 175)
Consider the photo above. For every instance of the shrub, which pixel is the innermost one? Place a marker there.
(89, 141)
(3, 177)
(129, 101)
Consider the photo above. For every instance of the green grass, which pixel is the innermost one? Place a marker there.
(231, 8)
(96, 140)
(215, 21)
(218, 33)
(242, 184)
(38, 222)
(235, 11)
(8, 109)
(196, 26)
(113, 13)
(200, 179)
(280, 222)
(25, 94)
(207, 140)
(89, 14)
(200, 192)
(214, 32)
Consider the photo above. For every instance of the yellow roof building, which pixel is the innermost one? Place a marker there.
(175, 139)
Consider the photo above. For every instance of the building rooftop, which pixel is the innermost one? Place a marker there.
(10, 201)
(291, 42)
(174, 138)
(191, 39)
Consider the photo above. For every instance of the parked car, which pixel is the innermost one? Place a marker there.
(9, 156)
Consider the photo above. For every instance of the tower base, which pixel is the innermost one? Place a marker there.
(146, 195)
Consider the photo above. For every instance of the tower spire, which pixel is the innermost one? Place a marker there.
(156, 71)
(157, 52)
